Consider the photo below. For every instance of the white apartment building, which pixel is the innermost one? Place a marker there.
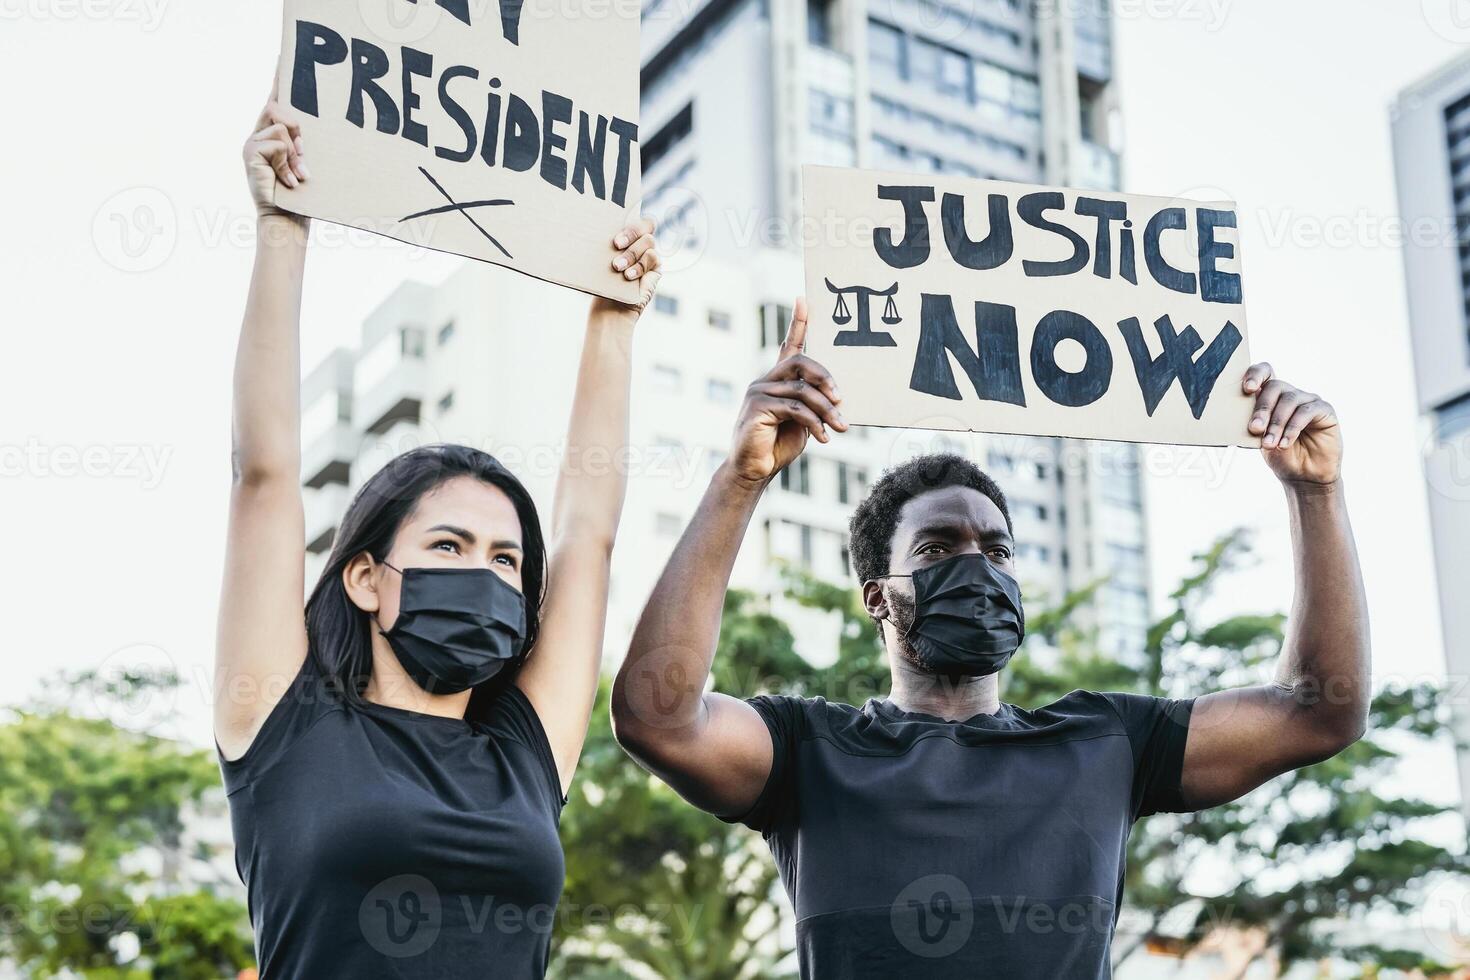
(1431, 139)
(737, 94)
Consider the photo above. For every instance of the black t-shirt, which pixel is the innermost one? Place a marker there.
(381, 843)
(989, 848)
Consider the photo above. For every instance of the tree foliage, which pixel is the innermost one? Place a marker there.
(88, 811)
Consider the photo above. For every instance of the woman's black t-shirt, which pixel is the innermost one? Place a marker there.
(381, 843)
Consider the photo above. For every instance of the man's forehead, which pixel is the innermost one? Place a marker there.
(950, 506)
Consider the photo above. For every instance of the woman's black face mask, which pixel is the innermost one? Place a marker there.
(968, 618)
(456, 627)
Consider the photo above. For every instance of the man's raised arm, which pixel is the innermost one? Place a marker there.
(1318, 703)
(713, 749)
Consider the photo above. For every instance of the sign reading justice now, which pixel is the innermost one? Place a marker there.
(502, 130)
(950, 303)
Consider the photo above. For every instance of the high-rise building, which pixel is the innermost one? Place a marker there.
(1431, 139)
(736, 95)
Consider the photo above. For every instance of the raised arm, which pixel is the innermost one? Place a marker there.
(560, 677)
(261, 641)
(714, 749)
(1318, 703)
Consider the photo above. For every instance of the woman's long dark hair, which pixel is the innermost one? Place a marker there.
(339, 634)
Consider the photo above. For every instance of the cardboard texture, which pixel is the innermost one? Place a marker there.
(952, 303)
(495, 130)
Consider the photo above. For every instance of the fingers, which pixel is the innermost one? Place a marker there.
(803, 368)
(278, 123)
(276, 145)
(1311, 412)
(637, 259)
(629, 235)
(1275, 405)
(796, 332)
(813, 398)
(791, 410)
(1255, 376)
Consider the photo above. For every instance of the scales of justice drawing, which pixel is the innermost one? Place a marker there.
(862, 296)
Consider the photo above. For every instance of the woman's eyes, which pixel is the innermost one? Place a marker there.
(1000, 554)
(932, 549)
(450, 546)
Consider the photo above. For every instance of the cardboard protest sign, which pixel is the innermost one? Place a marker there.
(951, 303)
(503, 130)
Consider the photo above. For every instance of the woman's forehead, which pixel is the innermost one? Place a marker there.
(467, 502)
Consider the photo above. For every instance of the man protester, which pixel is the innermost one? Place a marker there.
(940, 831)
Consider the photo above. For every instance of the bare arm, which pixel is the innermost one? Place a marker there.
(560, 677)
(714, 750)
(261, 639)
(1318, 703)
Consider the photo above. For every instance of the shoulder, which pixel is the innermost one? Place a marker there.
(1096, 711)
(797, 717)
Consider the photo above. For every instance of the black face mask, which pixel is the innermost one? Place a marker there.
(456, 627)
(968, 618)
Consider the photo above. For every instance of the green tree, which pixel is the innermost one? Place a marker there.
(654, 884)
(81, 802)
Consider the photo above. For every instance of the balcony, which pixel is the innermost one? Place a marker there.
(328, 457)
(324, 509)
(829, 71)
(1095, 167)
(388, 383)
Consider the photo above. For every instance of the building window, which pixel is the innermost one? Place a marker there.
(663, 142)
(806, 545)
(666, 304)
(885, 46)
(852, 483)
(819, 23)
(719, 391)
(667, 378)
(447, 402)
(445, 332)
(773, 320)
(719, 320)
(796, 477)
(828, 115)
(668, 525)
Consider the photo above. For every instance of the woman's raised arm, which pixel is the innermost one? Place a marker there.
(261, 642)
(560, 677)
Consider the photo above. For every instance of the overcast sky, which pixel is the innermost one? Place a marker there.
(129, 114)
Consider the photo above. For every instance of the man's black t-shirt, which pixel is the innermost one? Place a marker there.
(381, 843)
(989, 848)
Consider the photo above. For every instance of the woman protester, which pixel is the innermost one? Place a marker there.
(396, 758)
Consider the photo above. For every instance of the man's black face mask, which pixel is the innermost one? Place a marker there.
(968, 618)
(456, 627)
